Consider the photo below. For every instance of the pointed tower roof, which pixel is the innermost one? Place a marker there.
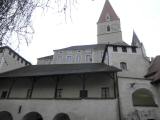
(107, 10)
(135, 40)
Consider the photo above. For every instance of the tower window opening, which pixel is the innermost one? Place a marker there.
(115, 48)
(124, 49)
(123, 66)
(108, 28)
(134, 50)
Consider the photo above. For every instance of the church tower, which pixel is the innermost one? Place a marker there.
(108, 26)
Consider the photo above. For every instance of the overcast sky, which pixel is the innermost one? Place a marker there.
(52, 31)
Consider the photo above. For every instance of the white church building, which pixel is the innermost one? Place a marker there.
(104, 81)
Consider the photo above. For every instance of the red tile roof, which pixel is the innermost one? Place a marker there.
(107, 9)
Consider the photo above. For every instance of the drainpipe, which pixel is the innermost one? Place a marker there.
(116, 80)
(118, 98)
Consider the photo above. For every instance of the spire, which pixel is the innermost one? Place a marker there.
(135, 40)
(107, 13)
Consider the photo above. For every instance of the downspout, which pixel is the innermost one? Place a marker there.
(118, 98)
(116, 81)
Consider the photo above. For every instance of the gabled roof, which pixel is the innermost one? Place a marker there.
(59, 69)
(107, 10)
(154, 70)
(94, 46)
(10, 49)
(46, 57)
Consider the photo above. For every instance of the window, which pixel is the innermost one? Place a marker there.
(14, 55)
(4, 94)
(124, 49)
(78, 58)
(108, 28)
(59, 58)
(115, 48)
(26, 63)
(18, 58)
(59, 93)
(10, 52)
(123, 66)
(1, 50)
(83, 93)
(88, 58)
(134, 50)
(29, 93)
(105, 92)
(143, 97)
(69, 59)
(21, 60)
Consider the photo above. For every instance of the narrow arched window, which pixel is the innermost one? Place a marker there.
(123, 65)
(143, 97)
(108, 28)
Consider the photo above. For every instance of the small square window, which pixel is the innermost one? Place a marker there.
(134, 50)
(124, 49)
(88, 58)
(4, 94)
(10, 52)
(1, 50)
(105, 92)
(78, 58)
(14, 55)
(21, 60)
(18, 58)
(108, 28)
(69, 59)
(59, 93)
(123, 66)
(115, 48)
(83, 93)
(26, 63)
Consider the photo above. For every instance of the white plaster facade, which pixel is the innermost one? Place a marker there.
(114, 51)
(10, 60)
(114, 35)
(43, 97)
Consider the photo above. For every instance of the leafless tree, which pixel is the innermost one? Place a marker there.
(15, 17)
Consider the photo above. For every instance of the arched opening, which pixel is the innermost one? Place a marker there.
(32, 116)
(143, 97)
(4, 115)
(61, 116)
(108, 28)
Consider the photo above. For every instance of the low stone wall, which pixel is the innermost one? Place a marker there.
(75, 109)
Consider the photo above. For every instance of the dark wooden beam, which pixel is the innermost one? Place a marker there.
(56, 86)
(11, 87)
(32, 86)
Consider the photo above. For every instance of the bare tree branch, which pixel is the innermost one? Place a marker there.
(15, 17)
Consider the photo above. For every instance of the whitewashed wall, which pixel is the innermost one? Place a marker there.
(128, 111)
(112, 36)
(7, 62)
(137, 65)
(44, 87)
(76, 109)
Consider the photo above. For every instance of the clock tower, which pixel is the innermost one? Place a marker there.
(108, 26)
